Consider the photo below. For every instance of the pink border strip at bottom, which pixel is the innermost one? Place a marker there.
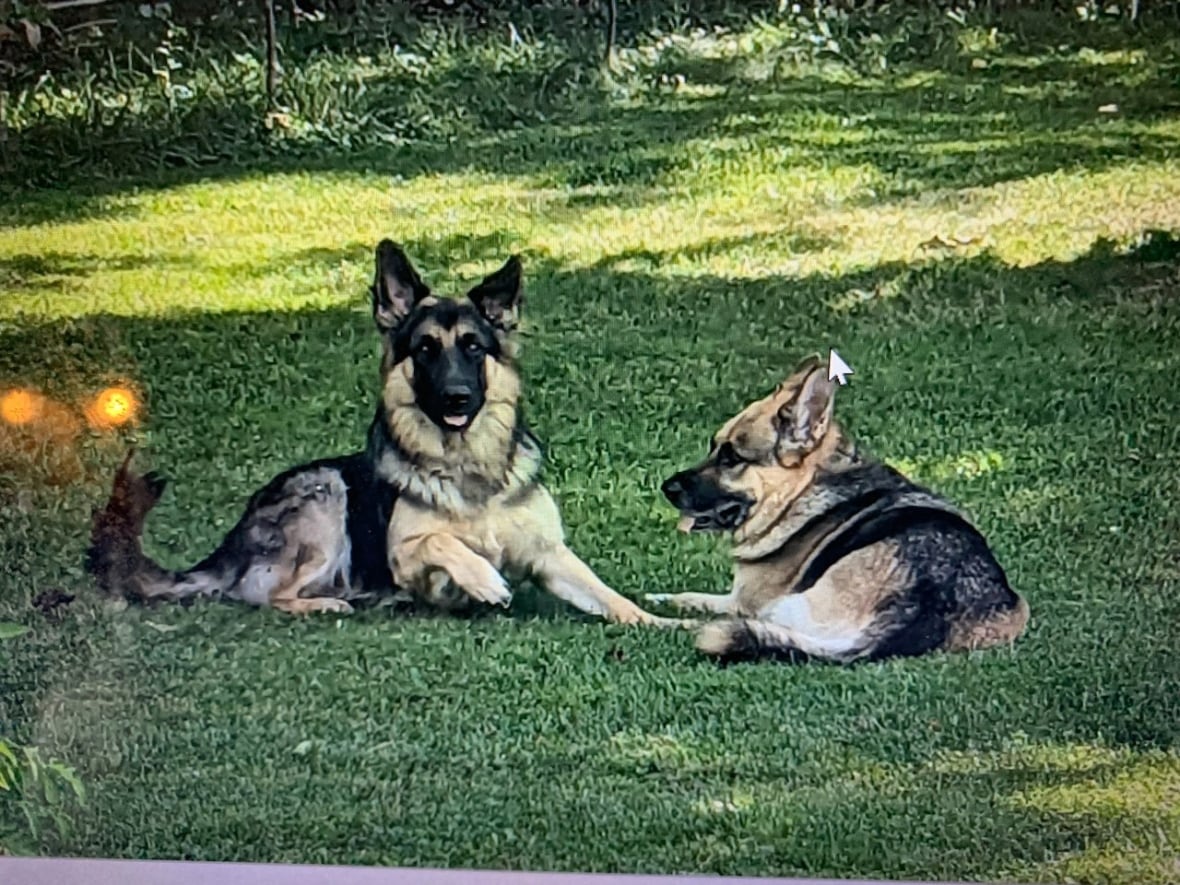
(63, 871)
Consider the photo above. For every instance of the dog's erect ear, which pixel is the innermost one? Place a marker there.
(805, 406)
(500, 296)
(396, 286)
(806, 366)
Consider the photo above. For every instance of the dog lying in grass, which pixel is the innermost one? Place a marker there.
(444, 499)
(837, 557)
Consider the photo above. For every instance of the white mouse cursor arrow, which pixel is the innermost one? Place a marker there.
(837, 368)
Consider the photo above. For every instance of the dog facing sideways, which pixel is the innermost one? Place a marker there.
(837, 557)
(442, 502)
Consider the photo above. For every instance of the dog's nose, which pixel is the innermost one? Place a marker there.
(456, 399)
(672, 488)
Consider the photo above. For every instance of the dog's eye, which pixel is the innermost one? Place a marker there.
(727, 456)
(471, 345)
(426, 348)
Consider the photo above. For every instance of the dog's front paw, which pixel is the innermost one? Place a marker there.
(677, 601)
(323, 605)
(635, 616)
(485, 584)
(632, 617)
(675, 623)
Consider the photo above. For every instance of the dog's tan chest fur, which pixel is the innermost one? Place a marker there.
(508, 532)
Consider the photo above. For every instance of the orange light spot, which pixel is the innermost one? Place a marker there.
(21, 406)
(112, 407)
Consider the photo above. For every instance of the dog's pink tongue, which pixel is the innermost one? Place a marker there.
(685, 523)
(455, 420)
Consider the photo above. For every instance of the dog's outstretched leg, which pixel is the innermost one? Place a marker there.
(708, 603)
(571, 580)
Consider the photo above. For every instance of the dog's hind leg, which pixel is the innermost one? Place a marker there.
(314, 605)
(307, 573)
(737, 639)
(571, 580)
(840, 619)
(709, 603)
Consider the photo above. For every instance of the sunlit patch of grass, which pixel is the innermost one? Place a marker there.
(1146, 787)
(975, 40)
(642, 748)
(1158, 864)
(306, 243)
(966, 465)
(1039, 505)
(1112, 57)
(1137, 798)
(734, 804)
(1023, 755)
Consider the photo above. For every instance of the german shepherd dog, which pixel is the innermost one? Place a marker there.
(443, 500)
(837, 557)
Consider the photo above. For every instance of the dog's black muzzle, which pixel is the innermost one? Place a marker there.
(711, 508)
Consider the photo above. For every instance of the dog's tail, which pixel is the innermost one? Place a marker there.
(1002, 627)
(115, 557)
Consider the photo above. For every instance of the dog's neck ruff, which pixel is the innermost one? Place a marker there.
(451, 471)
(842, 481)
(777, 521)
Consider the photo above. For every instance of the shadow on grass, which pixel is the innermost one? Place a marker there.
(934, 124)
(26, 273)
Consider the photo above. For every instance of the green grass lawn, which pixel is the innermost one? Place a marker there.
(684, 246)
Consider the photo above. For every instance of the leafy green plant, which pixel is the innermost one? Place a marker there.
(37, 793)
(11, 630)
(42, 791)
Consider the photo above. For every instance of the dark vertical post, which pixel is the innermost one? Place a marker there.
(612, 24)
(272, 53)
